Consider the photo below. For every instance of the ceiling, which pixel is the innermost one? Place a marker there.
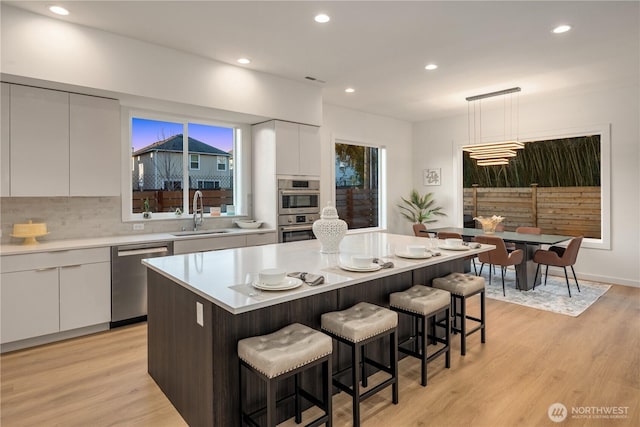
(381, 48)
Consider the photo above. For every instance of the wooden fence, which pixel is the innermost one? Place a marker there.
(571, 211)
(358, 207)
(169, 201)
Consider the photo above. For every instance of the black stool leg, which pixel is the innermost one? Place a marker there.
(355, 378)
(298, 407)
(448, 338)
(363, 359)
(463, 326)
(326, 390)
(546, 274)
(482, 317)
(271, 403)
(393, 357)
(535, 279)
(423, 350)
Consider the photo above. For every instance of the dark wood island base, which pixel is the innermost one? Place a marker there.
(197, 367)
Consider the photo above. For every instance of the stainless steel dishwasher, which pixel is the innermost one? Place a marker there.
(129, 280)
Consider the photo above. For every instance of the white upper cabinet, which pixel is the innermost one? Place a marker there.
(94, 146)
(297, 149)
(309, 150)
(59, 144)
(39, 135)
(5, 161)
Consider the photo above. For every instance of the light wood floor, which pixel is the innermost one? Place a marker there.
(531, 359)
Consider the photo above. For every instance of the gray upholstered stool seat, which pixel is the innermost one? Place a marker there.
(359, 322)
(356, 327)
(462, 286)
(421, 299)
(280, 355)
(285, 350)
(422, 304)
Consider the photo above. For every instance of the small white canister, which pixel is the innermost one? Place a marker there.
(330, 230)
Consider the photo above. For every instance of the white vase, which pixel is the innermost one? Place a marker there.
(330, 230)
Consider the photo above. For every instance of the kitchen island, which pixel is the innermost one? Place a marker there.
(199, 306)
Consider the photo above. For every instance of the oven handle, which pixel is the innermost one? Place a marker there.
(297, 228)
(298, 192)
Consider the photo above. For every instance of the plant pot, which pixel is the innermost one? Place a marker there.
(146, 215)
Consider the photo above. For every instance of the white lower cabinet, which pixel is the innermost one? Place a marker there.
(49, 292)
(29, 304)
(85, 295)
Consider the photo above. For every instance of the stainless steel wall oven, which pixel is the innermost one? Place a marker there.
(298, 208)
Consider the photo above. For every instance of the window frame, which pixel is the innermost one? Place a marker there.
(191, 162)
(240, 176)
(604, 130)
(382, 181)
(221, 161)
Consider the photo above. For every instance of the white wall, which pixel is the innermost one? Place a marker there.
(435, 145)
(38, 47)
(355, 126)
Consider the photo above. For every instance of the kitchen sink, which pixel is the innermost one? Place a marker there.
(198, 232)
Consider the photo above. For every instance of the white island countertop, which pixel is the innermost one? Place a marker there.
(221, 276)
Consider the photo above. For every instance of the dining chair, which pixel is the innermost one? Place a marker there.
(558, 256)
(418, 230)
(452, 235)
(524, 230)
(499, 256)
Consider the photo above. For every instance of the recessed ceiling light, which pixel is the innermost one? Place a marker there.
(244, 61)
(431, 67)
(349, 90)
(59, 10)
(322, 18)
(561, 29)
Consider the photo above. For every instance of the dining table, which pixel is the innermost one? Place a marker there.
(529, 243)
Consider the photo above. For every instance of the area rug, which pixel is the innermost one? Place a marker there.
(553, 297)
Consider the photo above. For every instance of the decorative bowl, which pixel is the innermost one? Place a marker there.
(248, 223)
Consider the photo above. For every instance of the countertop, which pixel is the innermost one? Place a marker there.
(221, 276)
(93, 242)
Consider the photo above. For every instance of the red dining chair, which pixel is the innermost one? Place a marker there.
(420, 230)
(499, 256)
(558, 256)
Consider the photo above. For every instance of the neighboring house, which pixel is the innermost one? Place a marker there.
(159, 166)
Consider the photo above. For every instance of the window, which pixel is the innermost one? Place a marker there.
(358, 191)
(172, 158)
(194, 161)
(208, 184)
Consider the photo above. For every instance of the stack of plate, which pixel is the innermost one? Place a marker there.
(286, 284)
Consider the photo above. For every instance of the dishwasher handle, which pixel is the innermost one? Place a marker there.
(145, 251)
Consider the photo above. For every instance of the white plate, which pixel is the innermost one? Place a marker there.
(372, 267)
(287, 283)
(454, 248)
(408, 255)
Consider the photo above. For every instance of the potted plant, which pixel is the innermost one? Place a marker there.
(147, 212)
(420, 209)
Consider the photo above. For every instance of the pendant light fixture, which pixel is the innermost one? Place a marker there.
(492, 153)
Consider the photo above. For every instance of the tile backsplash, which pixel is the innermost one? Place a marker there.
(84, 217)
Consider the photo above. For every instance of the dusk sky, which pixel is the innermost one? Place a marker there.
(145, 132)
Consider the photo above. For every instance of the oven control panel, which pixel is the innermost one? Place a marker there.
(297, 219)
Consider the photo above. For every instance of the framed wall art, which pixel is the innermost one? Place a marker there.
(431, 176)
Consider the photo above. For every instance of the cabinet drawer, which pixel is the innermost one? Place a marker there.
(261, 239)
(210, 244)
(42, 260)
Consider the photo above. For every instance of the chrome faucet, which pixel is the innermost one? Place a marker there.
(197, 221)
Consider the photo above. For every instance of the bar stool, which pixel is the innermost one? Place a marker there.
(356, 327)
(281, 354)
(422, 303)
(462, 286)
